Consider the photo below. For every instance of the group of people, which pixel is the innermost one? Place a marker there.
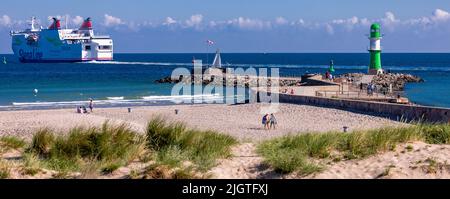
(269, 121)
(328, 76)
(370, 89)
(285, 90)
(82, 109)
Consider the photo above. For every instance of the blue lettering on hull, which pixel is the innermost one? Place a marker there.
(33, 55)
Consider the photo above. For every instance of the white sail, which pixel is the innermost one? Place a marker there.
(217, 63)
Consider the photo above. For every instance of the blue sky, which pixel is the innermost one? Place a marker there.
(246, 25)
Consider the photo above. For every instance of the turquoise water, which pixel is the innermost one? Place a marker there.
(130, 77)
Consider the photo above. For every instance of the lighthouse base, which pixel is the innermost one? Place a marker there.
(375, 71)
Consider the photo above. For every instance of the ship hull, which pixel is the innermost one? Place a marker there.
(63, 60)
(50, 48)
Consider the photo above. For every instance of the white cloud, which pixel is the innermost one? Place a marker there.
(77, 20)
(247, 23)
(365, 22)
(437, 18)
(112, 21)
(169, 21)
(195, 20)
(349, 23)
(440, 15)
(50, 18)
(281, 21)
(5, 20)
(299, 22)
(389, 20)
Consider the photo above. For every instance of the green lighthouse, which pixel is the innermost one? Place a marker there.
(331, 68)
(375, 50)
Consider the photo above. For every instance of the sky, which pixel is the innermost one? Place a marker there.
(183, 26)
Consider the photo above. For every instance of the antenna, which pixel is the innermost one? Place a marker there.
(32, 23)
(66, 21)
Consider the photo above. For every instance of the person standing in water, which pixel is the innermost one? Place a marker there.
(91, 105)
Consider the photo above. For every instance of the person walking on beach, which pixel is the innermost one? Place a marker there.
(91, 105)
(265, 121)
(273, 121)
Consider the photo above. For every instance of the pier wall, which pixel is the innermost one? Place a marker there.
(394, 111)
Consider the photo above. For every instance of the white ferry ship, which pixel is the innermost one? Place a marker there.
(61, 45)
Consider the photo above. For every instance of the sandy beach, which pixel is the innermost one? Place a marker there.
(240, 121)
(244, 123)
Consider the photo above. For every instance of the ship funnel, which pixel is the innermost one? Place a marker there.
(56, 25)
(87, 24)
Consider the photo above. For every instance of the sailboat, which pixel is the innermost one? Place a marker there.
(216, 67)
(217, 63)
(4, 60)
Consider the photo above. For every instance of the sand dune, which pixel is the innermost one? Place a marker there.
(240, 121)
(243, 122)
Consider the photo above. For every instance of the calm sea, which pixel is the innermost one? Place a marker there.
(129, 79)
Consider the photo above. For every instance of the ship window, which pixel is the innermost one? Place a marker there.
(87, 47)
(104, 47)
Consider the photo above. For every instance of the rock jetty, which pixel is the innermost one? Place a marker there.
(231, 80)
(397, 80)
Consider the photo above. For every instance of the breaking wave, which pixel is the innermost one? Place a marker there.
(121, 101)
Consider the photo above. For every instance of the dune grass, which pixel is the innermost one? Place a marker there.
(105, 146)
(175, 144)
(31, 164)
(5, 169)
(162, 171)
(176, 151)
(295, 153)
(10, 142)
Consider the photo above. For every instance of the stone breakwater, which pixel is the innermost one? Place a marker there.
(397, 80)
(232, 80)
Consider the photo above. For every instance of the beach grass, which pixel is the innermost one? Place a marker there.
(111, 167)
(176, 144)
(107, 147)
(42, 141)
(5, 169)
(31, 164)
(297, 153)
(437, 134)
(176, 151)
(10, 142)
(162, 171)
